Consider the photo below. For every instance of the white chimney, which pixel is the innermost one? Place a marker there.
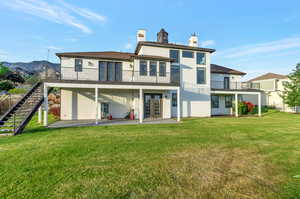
(193, 41)
(141, 35)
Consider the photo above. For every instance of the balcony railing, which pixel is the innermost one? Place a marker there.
(92, 74)
(224, 85)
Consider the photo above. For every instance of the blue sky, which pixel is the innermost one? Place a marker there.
(252, 36)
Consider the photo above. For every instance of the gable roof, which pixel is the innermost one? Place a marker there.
(171, 45)
(214, 68)
(124, 56)
(268, 76)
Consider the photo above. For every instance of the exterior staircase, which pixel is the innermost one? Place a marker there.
(18, 116)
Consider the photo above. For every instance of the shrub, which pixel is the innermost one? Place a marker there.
(6, 85)
(17, 91)
(55, 111)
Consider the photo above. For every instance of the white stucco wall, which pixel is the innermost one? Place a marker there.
(222, 110)
(195, 98)
(217, 80)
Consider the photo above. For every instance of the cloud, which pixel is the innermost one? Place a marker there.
(208, 43)
(54, 48)
(3, 54)
(60, 13)
(261, 48)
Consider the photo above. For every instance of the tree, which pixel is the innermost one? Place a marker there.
(291, 93)
(15, 77)
(4, 71)
(6, 85)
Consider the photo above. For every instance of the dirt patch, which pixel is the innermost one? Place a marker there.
(215, 173)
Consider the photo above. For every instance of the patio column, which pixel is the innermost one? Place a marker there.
(40, 115)
(45, 105)
(141, 111)
(178, 105)
(236, 105)
(96, 106)
(259, 104)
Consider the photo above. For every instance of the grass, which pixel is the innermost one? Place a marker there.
(247, 157)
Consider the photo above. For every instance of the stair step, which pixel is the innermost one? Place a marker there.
(6, 126)
(5, 130)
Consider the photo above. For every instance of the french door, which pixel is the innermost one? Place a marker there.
(152, 105)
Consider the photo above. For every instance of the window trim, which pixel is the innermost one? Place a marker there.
(142, 72)
(218, 101)
(204, 69)
(197, 58)
(76, 65)
(150, 68)
(162, 73)
(178, 56)
(226, 102)
(187, 51)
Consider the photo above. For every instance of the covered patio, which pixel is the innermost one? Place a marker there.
(95, 105)
(236, 93)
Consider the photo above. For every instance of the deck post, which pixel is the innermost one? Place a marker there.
(236, 105)
(178, 105)
(141, 111)
(40, 115)
(259, 104)
(45, 105)
(96, 106)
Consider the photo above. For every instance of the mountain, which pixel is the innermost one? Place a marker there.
(31, 67)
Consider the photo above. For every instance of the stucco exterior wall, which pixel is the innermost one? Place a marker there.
(222, 110)
(195, 98)
(217, 81)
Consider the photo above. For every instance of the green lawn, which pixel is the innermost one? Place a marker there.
(247, 157)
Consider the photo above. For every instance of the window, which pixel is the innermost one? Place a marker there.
(118, 71)
(162, 69)
(102, 71)
(188, 54)
(174, 54)
(104, 109)
(174, 99)
(200, 75)
(143, 68)
(175, 74)
(78, 65)
(215, 101)
(153, 68)
(200, 58)
(110, 71)
(228, 101)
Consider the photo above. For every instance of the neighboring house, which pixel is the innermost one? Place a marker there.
(159, 80)
(272, 86)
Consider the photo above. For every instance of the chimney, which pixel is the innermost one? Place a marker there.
(193, 41)
(162, 36)
(141, 35)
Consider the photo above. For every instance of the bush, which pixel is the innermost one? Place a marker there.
(3, 71)
(17, 91)
(6, 85)
(264, 109)
(32, 80)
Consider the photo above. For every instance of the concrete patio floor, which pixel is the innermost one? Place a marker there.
(77, 123)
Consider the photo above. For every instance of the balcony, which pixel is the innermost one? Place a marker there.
(89, 75)
(230, 85)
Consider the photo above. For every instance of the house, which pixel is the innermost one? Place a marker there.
(160, 80)
(272, 85)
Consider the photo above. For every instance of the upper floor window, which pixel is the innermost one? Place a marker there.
(175, 74)
(143, 68)
(153, 68)
(201, 74)
(162, 69)
(200, 58)
(188, 54)
(78, 65)
(110, 71)
(174, 54)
